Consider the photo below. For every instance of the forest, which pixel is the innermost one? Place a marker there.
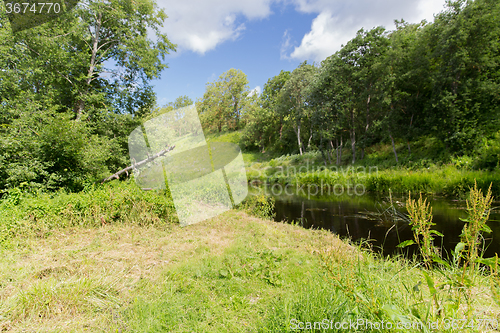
(72, 90)
(81, 251)
(438, 80)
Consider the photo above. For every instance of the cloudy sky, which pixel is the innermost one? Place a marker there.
(262, 37)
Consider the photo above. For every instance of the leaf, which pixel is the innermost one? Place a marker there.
(430, 283)
(486, 228)
(487, 261)
(394, 313)
(406, 243)
(436, 233)
(435, 258)
(224, 273)
(459, 248)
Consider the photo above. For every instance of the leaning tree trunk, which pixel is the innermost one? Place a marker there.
(137, 164)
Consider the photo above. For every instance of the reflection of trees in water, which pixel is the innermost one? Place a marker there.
(363, 220)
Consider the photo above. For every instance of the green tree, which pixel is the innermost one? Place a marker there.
(53, 74)
(224, 100)
(263, 124)
(179, 102)
(292, 104)
(71, 53)
(464, 105)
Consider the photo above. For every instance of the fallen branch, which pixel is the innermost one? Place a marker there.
(135, 165)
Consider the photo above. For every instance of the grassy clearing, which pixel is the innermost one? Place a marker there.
(221, 274)
(233, 273)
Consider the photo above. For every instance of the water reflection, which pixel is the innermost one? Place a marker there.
(363, 217)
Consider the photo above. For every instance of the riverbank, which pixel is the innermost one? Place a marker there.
(313, 177)
(232, 273)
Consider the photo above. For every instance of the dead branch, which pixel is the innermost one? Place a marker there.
(135, 165)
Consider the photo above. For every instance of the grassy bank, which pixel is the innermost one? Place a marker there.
(428, 169)
(234, 273)
(309, 170)
(142, 272)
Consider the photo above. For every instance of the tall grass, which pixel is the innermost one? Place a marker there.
(448, 180)
(453, 292)
(98, 205)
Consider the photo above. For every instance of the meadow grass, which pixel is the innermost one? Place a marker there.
(232, 273)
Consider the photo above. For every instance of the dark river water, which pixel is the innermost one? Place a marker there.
(366, 217)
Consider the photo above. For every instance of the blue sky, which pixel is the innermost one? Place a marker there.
(262, 37)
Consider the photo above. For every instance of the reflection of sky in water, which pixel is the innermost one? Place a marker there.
(351, 216)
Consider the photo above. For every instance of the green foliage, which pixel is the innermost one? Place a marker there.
(425, 81)
(259, 205)
(116, 202)
(64, 120)
(51, 151)
(420, 215)
(465, 257)
(224, 101)
(478, 210)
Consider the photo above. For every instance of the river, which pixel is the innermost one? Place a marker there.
(368, 217)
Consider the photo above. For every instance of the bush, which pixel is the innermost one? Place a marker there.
(117, 202)
(259, 205)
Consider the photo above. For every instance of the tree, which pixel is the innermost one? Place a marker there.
(224, 100)
(263, 124)
(54, 74)
(464, 105)
(71, 52)
(179, 102)
(292, 103)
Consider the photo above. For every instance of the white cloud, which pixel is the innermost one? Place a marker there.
(201, 25)
(257, 90)
(285, 45)
(339, 20)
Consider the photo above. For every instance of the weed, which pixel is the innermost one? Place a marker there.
(420, 214)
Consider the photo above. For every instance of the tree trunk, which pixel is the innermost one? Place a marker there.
(336, 151)
(310, 137)
(80, 103)
(394, 148)
(331, 150)
(353, 145)
(297, 131)
(340, 149)
(322, 150)
(353, 138)
(136, 164)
